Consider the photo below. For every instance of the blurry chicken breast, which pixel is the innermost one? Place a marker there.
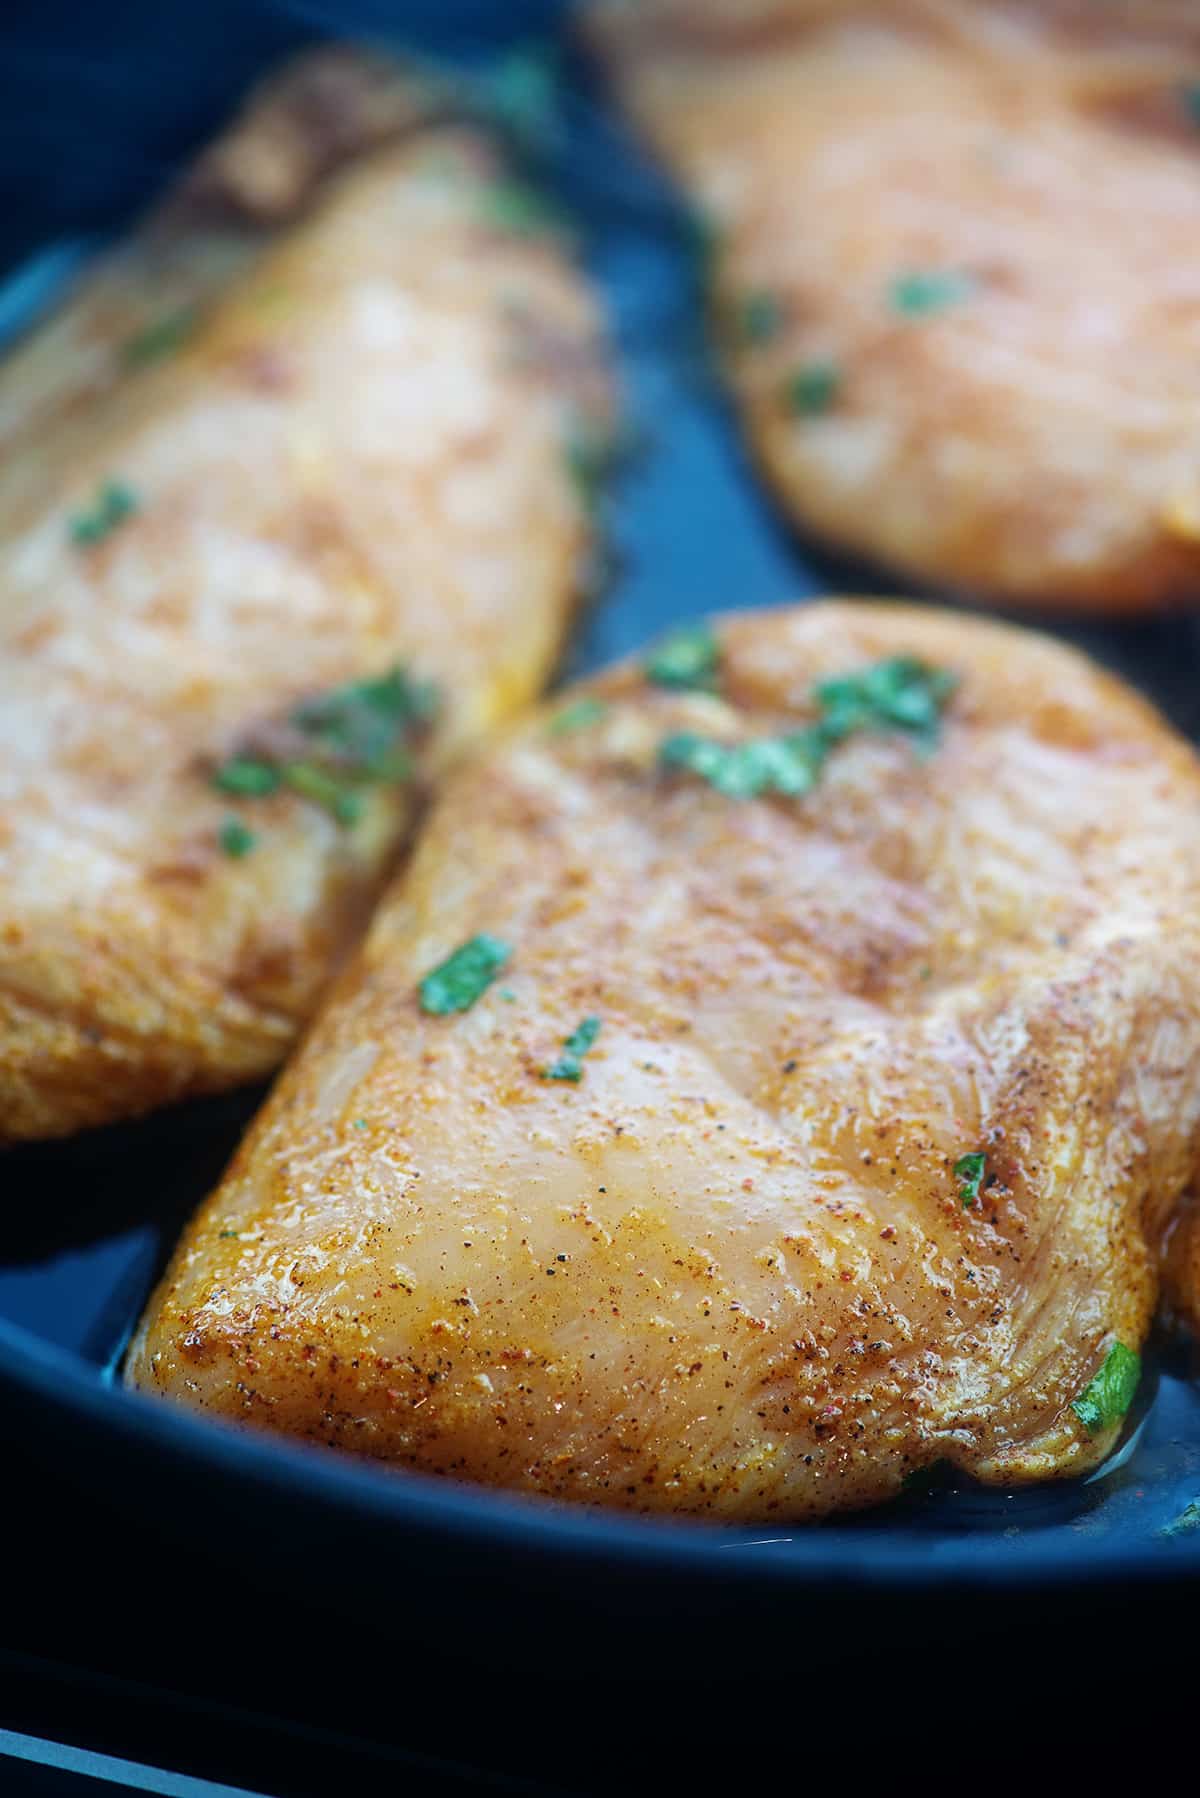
(771, 1077)
(271, 555)
(954, 273)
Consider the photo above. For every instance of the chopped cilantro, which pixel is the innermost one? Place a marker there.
(247, 776)
(362, 722)
(592, 453)
(159, 338)
(225, 1235)
(1106, 1399)
(969, 1170)
(456, 983)
(759, 318)
(901, 694)
(330, 791)
(813, 389)
(789, 765)
(519, 210)
(687, 657)
(114, 503)
(920, 292)
(236, 838)
(336, 743)
(521, 95)
(569, 1065)
(577, 716)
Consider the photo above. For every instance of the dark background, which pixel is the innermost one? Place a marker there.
(100, 99)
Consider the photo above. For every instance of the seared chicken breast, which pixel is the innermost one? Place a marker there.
(266, 565)
(771, 1076)
(955, 279)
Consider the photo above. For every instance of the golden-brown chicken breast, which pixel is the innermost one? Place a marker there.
(955, 272)
(771, 1077)
(263, 570)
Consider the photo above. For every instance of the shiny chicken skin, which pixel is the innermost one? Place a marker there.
(955, 275)
(736, 1268)
(358, 455)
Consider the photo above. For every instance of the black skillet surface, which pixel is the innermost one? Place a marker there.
(88, 1223)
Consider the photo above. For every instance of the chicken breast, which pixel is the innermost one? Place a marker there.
(955, 279)
(772, 1077)
(265, 569)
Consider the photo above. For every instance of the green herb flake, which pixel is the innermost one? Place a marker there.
(338, 742)
(569, 1065)
(227, 1235)
(1189, 98)
(456, 983)
(522, 94)
(114, 503)
(333, 792)
(236, 838)
(813, 389)
(901, 694)
(363, 722)
(591, 453)
(247, 777)
(759, 318)
(162, 337)
(519, 210)
(919, 293)
(577, 716)
(689, 657)
(1105, 1401)
(788, 765)
(969, 1170)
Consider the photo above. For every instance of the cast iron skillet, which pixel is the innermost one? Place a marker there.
(88, 1223)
